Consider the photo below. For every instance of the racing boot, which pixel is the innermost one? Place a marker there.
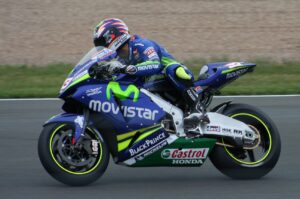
(198, 112)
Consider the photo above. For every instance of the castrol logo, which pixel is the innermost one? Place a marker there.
(195, 153)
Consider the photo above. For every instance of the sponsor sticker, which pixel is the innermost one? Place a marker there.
(152, 150)
(135, 54)
(118, 41)
(198, 88)
(66, 83)
(192, 95)
(213, 128)
(139, 44)
(128, 111)
(93, 91)
(95, 147)
(79, 120)
(233, 64)
(151, 53)
(187, 162)
(103, 53)
(236, 73)
(131, 69)
(226, 130)
(147, 144)
(147, 67)
(115, 88)
(190, 153)
(239, 132)
(185, 156)
(79, 75)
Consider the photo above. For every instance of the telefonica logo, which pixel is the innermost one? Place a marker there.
(115, 88)
(127, 111)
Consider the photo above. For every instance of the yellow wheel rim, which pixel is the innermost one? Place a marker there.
(269, 136)
(64, 169)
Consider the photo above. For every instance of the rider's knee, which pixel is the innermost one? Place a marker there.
(180, 75)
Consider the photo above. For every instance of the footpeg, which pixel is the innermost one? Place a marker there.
(205, 119)
(194, 119)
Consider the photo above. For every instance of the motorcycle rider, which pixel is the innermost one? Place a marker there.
(143, 57)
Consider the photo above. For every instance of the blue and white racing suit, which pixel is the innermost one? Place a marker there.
(151, 59)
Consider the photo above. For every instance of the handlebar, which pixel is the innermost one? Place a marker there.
(103, 71)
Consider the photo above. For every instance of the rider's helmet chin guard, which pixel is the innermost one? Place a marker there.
(111, 33)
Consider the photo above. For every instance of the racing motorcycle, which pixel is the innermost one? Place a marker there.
(140, 124)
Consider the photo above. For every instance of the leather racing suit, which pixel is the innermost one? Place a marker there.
(150, 58)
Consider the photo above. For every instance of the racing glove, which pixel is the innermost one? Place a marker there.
(115, 67)
(110, 68)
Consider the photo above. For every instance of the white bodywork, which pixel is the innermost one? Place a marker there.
(227, 127)
(219, 126)
(174, 111)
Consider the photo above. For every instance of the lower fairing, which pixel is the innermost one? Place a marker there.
(174, 152)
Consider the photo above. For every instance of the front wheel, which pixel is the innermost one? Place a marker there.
(71, 163)
(249, 162)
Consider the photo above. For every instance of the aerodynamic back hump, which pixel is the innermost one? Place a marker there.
(216, 75)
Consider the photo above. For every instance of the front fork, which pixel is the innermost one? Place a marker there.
(80, 125)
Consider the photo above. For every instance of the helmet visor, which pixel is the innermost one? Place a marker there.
(100, 42)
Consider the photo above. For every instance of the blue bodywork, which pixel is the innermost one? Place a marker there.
(68, 118)
(126, 115)
(217, 75)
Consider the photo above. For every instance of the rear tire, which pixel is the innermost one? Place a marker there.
(250, 163)
(74, 167)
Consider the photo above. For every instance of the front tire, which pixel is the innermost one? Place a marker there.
(248, 163)
(75, 166)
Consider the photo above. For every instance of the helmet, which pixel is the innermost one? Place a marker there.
(111, 33)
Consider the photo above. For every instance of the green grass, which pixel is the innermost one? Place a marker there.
(33, 81)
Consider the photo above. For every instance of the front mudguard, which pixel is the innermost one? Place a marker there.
(73, 119)
(79, 122)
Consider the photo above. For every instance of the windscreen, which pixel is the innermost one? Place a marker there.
(99, 53)
(80, 72)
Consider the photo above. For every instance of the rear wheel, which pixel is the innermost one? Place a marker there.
(255, 160)
(72, 163)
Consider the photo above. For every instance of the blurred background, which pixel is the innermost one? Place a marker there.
(52, 31)
(41, 40)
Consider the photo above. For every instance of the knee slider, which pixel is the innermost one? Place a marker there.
(182, 74)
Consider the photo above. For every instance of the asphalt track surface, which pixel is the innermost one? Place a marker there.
(22, 175)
